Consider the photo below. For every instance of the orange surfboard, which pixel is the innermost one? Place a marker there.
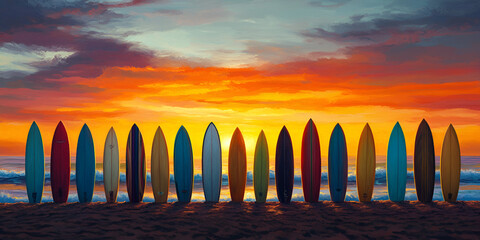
(237, 167)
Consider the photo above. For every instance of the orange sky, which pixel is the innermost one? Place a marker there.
(248, 98)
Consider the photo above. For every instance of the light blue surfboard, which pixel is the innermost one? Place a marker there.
(85, 165)
(183, 165)
(34, 165)
(337, 165)
(211, 164)
(396, 165)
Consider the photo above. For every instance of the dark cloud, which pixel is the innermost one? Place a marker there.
(329, 3)
(57, 26)
(446, 16)
(18, 14)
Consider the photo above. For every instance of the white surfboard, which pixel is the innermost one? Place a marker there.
(111, 169)
(211, 164)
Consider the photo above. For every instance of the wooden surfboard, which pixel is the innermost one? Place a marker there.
(261, 170)
(60, 165)
(85, 166)
(111, 166)
(424, 163)
(160, 167)
(135, 167)
(237, 167)
(311, 163)
(366, 163)
(396, 165)
(183, 165)
(284, 167)
(211, 164)
(34, 165)
(450, 165)
(337, 165)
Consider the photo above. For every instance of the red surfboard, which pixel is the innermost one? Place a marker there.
(311, 163)
(60, 165)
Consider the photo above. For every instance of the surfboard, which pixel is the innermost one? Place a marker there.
(160, 167)
(450, 164)
(85, 166)
(284, 167)
(237, 166)
(396, 165)
(34, 165)
(111, 167)
(366, 162)
(311, 163)
(261, 170)
(424, 163)
(211, 164)
(60, 165)
(337, 165)
(183, 165)
(135, 167)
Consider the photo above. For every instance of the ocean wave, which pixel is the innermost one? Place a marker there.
(469, 176)
(463, 195)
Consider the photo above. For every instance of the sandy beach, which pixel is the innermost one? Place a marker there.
(225, 220)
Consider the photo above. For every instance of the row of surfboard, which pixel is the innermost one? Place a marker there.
(424, 165)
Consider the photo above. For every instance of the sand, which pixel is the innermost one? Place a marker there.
(225, 220)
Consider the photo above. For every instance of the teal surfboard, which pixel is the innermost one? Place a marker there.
(337, 165)
(85, 165)
(34, 164)
(396, 165)
(183, 165)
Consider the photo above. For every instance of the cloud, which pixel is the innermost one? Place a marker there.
(329, 3)
(439, 18)
(57, 26)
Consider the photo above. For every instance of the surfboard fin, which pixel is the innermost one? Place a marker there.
(34, 196)
(111, 196)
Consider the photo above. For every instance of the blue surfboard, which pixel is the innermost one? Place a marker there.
(211, 164)
(85, 165)
(337, 165)
(34, 165)
(183, 165)
(396, 165)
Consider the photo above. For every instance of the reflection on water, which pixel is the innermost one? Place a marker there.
(12, 184)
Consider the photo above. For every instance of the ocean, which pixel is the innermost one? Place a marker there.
(12, 182)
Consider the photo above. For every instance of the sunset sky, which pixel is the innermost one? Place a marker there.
(248, 64)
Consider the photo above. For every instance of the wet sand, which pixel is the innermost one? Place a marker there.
(225, 220)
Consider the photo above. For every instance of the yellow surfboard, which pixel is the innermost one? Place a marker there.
(450, 164)
(160, 167)
(366, 162)
(237, 167)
